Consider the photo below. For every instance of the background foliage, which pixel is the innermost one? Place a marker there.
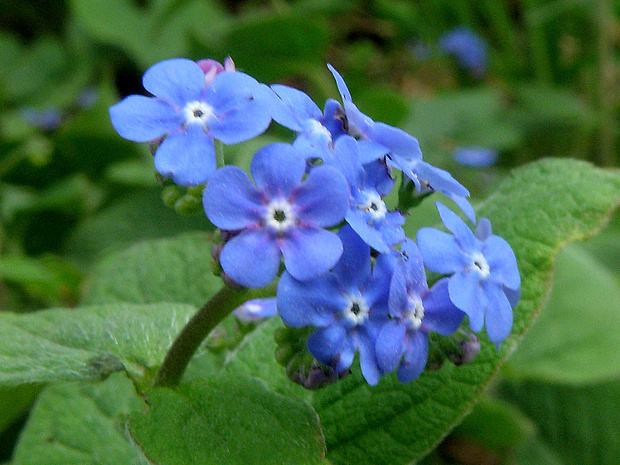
(80, 212)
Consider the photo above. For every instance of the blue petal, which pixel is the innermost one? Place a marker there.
(231, 201)
(368, 359)
(483, 229)
(462, 234)
(390, 345)
(371, 235)
(440, 251)
(439, 180)
(345, 158)
(440, 314)
(502, 262)
(342, 87)
(371, 151)
(242, 107)
(277, 169)
(415, 265)
(188, 157)
(399, 293)
(332, 346)
(177, 81)
(465, 206)
(415, 357)
(309, 303)
(296, 108)
(466, 293)
(401, 144)
(498, 318)
(256, 310)
(354, 266)
(376, 289)
(143, 119)
(251, 258)
(310, 252)
(323, 198)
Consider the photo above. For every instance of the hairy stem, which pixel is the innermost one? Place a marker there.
(198, 328)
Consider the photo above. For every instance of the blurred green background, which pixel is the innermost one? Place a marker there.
(485, 85)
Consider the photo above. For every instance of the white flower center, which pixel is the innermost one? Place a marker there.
(279, 216)
(415, 313)
(480, 265)
(357, 311)
(374, 206)
(197, 112)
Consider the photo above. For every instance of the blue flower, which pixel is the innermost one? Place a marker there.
(192, 109)
(485, 279)
(368, 214)
(316, 130)
(256, 310)
(280, 216)
(415, 310)
(402, 149)
(475, 157)
(348, 305)
(469, 49)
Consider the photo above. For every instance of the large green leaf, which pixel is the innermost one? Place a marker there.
(571, 342)
(87, 343)
(232, 420)
(75, 424)
(173, 270)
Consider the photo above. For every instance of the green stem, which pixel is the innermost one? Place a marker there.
(606, 83)
(198, 328)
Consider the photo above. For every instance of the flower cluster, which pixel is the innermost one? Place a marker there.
(318, 206)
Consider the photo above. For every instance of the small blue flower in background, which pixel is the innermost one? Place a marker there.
(415, 310)
(475, 157)
(280, 216)
(256, 310)
(402, 150)
(191, 113)
(349, 305)
(46, 120)
(485, 279)
(469, 49)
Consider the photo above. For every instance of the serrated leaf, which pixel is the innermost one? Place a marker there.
(75, 424)
(165, 270)
(88, 343)
(571, 342)
(230, 420)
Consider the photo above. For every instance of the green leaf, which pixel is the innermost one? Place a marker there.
(165, 270)
(87, 343)
(580, 424)
(230, 420)
(15, 401)
(538, 209)
(75, 424)
(571, 341)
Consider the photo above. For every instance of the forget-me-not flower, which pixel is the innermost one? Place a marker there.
(348, 305)
(485, 279)
(415, 310)
(191, 111)
(469, 49)
(281, 215)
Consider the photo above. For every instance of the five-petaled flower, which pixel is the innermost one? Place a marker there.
(280, 216)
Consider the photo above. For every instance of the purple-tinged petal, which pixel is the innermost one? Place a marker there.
(368, 359)
(483, 229)
(378, 176)
(399, 293)
(323, 198)
(353, 268)
(296, 108)
(390, 345)
(310, 252)
(502, 262)
(415, 264)
(416, 355)
(309, 303)
(256, 310)
(440, 251)
(466, 293)
(177, 81)
(231, 201)
(242, 107)
(462, 234)
(143, 119)
(188, 157)
(400, 144)
(498, 317)
(376, 290)
(440, 314)
(277, 169)
(251, 258)
(332, 346)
